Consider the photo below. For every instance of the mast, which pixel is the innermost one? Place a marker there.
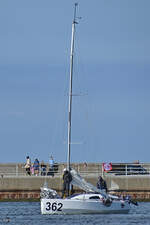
(70, 86)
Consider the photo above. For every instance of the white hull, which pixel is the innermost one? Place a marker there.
(74, 206)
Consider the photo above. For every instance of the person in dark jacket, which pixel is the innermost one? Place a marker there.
(101, 184)
(43, 168)
(36, 167)
(67, 178)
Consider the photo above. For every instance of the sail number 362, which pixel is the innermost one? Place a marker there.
(54, 206)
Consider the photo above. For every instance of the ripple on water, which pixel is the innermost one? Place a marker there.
(25, 213)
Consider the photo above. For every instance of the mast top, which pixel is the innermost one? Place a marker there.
(75, 8)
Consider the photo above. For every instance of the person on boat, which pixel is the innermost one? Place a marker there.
(67, 178)
(28, 165)
(101, 184)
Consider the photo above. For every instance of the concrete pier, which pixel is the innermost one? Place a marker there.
(16, 185)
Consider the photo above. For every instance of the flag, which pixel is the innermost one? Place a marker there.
(107, 167)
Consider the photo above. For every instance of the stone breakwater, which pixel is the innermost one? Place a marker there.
(16, 185)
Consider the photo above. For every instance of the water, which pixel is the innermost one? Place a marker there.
(28, 213)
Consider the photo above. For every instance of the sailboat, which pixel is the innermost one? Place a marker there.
(93, 200)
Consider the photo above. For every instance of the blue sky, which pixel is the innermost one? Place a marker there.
(111, 117)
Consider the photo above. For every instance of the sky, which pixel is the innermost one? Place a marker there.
(111, 80)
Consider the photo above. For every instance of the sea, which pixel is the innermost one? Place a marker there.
(28, 213)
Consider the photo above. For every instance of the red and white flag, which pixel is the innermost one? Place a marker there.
(107, 166)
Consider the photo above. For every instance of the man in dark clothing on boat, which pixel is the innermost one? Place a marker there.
(67, 178)
(101, 184)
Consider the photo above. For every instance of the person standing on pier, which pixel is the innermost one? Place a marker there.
(36, 167)
(28, 165)
(51, 163)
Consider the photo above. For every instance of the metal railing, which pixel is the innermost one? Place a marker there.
(91, 170)
(129, 169)
(8, 170)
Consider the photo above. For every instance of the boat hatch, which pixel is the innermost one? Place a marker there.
(94, 197)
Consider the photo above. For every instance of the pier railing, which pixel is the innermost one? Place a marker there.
(8, 170)
(86, 170)
(127, 169)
